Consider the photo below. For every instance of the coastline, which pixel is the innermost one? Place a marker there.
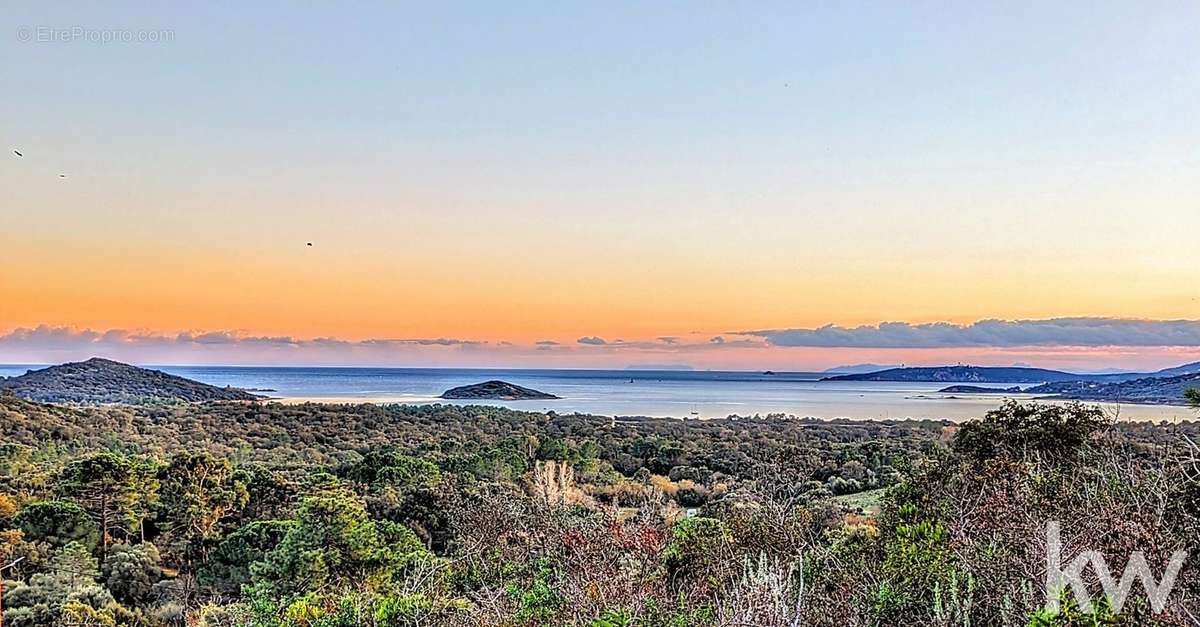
(952, 409)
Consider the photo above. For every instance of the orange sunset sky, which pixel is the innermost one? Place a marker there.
(676, 187)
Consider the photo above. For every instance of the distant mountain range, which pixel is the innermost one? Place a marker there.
(99, 380)
(1191, 368)
(859, 369)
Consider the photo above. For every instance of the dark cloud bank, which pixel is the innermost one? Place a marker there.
(993, 333)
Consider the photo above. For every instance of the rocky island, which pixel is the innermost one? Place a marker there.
(102, 381)
(495, 390)
(975, 389)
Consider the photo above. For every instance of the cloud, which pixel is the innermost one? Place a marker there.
(1124, 343)
(49, 343)
(57, 337)
(441, 341)
(993, 333)
(48, 337)
(212, 337)
(329, 342)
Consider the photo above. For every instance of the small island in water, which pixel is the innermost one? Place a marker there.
(496, 390)
(975, 389)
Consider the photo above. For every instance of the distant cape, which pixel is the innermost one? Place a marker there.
(964, 374)
(989, 374)
(1146, 390)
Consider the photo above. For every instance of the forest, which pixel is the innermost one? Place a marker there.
(248, 514)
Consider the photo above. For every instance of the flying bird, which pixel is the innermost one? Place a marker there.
(18, 153)
(310, 243)
(62, 176)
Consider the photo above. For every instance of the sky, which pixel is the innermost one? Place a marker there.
(502, 184)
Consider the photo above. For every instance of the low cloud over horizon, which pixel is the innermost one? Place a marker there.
(51, 344)
(992, 333)
(1080, 343)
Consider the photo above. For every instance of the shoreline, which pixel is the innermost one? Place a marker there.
(1121, 412)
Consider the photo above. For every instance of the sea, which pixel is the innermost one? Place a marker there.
(656, 393)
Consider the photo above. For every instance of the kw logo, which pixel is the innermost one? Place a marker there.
(1058, 577)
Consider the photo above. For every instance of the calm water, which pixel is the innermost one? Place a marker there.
(629, 392)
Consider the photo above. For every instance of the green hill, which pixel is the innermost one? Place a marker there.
(105, 381)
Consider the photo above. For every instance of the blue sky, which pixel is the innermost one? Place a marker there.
(645, 169)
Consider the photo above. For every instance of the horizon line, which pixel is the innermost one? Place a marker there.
(630, 368)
